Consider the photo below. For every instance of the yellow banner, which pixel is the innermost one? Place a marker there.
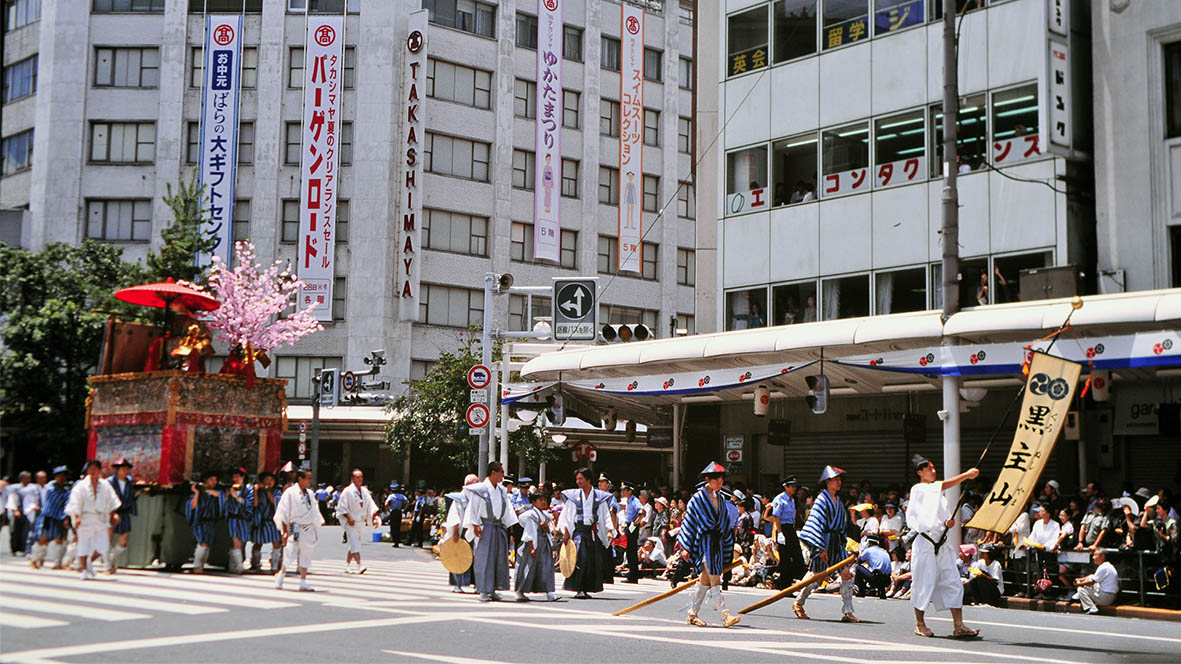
(1048, 394)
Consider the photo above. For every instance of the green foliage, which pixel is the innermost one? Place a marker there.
(55, 303)
(429, 423)
(183, 238)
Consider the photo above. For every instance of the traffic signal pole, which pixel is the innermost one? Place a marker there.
(315, 446)
(950, 415)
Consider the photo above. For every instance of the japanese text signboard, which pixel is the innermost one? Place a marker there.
(900, 16)
(1048, 394)
(631, 139)
(319, 173)
(219, 130)
(413, 117)
(548, 171)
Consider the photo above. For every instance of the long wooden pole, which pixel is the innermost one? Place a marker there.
(784, 593)
(669, 593)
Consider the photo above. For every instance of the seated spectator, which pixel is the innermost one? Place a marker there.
(986, 583)
(678, 566)
(1125, 524)
(890, 526)
(652, 557)
(900, 578)
(740, 575)
(1018, 533)
(872, 571)
(1099, 588)
(763, 562)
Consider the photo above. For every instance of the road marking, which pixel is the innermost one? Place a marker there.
(75, 611)
(128, 585)
(28, 622)
(81, 596)
(430, 657)
(1111, 633)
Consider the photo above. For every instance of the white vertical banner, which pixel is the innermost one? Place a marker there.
(1060, 130)
(323, 85)
(222, 57)
(413, 96)
(547, 171)
(631, 139)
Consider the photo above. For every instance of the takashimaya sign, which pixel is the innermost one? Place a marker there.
(413, 114)
(219, 130)
(547, 185)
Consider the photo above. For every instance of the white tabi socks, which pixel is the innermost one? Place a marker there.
(38, 556)
(200, 555)
(276, 560)
(235, 561)
(698, 597)
(112, 556)
(71, 556)
(56, 551)
(806, 592)
(846, 596)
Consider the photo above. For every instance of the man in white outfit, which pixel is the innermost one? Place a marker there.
(91, 508)
(356, 511)
(1100, 588)
(934, 572)
(298, 517)
(489, 515)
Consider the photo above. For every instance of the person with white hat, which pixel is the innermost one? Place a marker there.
(824, 533)
(707, 534)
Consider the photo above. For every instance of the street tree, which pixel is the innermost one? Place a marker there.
(184, 238)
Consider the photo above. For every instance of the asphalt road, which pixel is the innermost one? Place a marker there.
(402, 610)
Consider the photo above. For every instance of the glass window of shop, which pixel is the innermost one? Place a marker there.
(898, 291)
(971, 140)
(1008, 271)
(845, 297)
(795, 29)
(747, 41)
(845, 22)
(973, 275)
(746, 309)
(845, 160)
(1014, 125)
(793, 167)
(794, 303)
(899, 148)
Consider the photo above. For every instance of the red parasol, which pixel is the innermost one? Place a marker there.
(166, 293)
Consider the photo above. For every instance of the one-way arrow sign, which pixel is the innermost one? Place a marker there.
(575, 309)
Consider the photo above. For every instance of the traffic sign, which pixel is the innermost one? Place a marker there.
(348, 382)
(479, 396)
(478, 415)
(303, 449)
(734, 456)
(303, 437)
(575, 309)
(479, 377)
(303, 427)
(329, 387)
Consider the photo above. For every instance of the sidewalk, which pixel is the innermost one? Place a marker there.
(1054, 606)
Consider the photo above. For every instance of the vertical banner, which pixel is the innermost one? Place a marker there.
(1048, 394)
(413, 96)
(219, 130)
(547, 171)
(631, 139)
(323, 83)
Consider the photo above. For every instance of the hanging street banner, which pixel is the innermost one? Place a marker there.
(631, 139)
(547, 171)
(1048, 395)
(323, 84)
(413, 115)
(222, 57)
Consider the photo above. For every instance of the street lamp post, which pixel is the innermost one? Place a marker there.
(950, 414)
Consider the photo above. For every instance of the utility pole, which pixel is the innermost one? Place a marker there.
(951, 257)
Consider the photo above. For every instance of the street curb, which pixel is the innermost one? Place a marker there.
(1051, 606)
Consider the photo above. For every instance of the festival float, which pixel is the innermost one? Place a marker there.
(155, 405)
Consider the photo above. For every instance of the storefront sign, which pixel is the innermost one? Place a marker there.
(747, 201)
(547, 185)
(903, 171)
(849, 32)
(846, 182)
(413, 116)
(219, 130)
(900, 16)
(749, 60)
(1016, 149)
(631, 140)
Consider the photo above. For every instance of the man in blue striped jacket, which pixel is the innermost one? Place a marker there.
(824, 533)
(124, 486)
(707, 534)
(239, 503)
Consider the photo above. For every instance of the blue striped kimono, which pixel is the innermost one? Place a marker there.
(265, 531)
(707, 532)
(204, 519)
(127, 507)
(825, 530)
(239, 517)
(51, 517)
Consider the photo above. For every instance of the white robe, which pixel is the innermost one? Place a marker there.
(934, 578)
(89, 508)
(602, 520)
(356, 502)
(302, 517)
(455, 515)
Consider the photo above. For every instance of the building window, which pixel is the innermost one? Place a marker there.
(617, 315)
(686, 322)
(748, 41)
(971, 138)
(900, 144)
(570, 178)
(609, 54)
(609, 118)
(348, 73)
(478, 18)
(457, 157)
(608, 254)
(1007, 272)
(249, 67)
(899, 291)
(686, 203)
(1172, 71)
(965, 6)
(685, 74)
(19, 13)
(299, 373)
(648, 260)
(572, 43)
(245, 143)
(746, 170)
(16, 152)
(1014, 125)
(457, 83)
(524, 169)
(568, 255)
(651, 127)
(290, 231)
(342, 221)
(350, 67)
(684, 135)
(241, 226)
(686, 267)
(845, 160)
(317, 6)
(295, 67)
(524, 99)
(420, 368)
(570, 99)
(113, 6)
(526, 31)
(123, 142)
(521, 245)
(193, 143)
(845, 22)
(127, 67)
(450, 307)
(340, 299)
(793, 168)
(454, 232)
(746, 309)
(115, 220)
(793, 303)
(542, 307)
(893, 15)
(844, 297)
(795, 29)
(293, 141)
(654, 65)
(973, 273)
(346, 144)
(651, 193)
(211, 6)
(20, 80)
(608, 185)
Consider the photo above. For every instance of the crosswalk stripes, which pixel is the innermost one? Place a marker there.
(89, 595)
(25, 622)
(77, 610)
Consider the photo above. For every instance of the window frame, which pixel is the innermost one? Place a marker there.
(110, 124)
(610, 54)
(110, 83)
(135, 203)
(32, 63)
